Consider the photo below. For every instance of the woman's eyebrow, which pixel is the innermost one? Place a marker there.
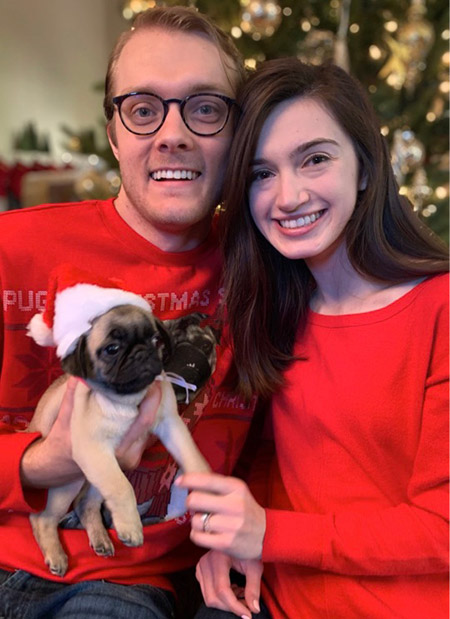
(301, 148)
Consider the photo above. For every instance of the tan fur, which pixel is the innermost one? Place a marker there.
(98, 423)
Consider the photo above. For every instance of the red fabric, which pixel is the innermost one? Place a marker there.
(357, 519)
(93, 237)
(65, 276)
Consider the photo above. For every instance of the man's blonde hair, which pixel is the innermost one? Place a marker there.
(177, 19)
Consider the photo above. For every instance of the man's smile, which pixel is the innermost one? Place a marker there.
(161, 175)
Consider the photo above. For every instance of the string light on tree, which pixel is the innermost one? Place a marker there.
(132, 7)
(260, 18)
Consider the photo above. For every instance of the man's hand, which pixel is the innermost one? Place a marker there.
(48, 461)
(213, 574)
(138, 438)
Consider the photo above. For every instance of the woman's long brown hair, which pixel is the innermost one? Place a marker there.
(266, 295)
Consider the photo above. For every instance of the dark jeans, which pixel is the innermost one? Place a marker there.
(23, 596)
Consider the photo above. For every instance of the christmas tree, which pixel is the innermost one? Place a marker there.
(398, 49)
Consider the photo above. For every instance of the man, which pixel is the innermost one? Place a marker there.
(157, 238)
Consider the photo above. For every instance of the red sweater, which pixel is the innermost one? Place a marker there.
(357, 524)
(92, 236)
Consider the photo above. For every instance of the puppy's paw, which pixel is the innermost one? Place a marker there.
(104, 550)
(99, 540)
(103, 547)
(57, 565)
(131, 536)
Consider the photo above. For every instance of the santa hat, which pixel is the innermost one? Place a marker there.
(74, 299)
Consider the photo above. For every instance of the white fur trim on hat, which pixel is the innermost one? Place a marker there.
(75, 309)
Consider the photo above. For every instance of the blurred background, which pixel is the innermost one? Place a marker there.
(54, 54)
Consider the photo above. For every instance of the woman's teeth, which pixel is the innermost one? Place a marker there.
(174, 175)
(301, 221)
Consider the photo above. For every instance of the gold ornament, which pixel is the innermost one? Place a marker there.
(418, 190)
(317, 47)
(407, 153)
(260, 17)
(409, 49)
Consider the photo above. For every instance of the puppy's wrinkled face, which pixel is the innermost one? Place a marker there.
(193, 352)
(122, 352)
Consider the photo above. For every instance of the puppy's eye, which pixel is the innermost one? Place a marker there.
(111, 349)
(157, 340)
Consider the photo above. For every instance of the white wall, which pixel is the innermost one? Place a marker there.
(52, 52)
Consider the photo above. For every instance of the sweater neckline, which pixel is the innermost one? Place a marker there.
(143, 249)
(372, 316)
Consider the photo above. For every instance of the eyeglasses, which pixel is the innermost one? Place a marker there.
(144, 113)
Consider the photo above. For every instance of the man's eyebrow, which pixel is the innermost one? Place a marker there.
(206, 87)
(190, 89)
(301, 148)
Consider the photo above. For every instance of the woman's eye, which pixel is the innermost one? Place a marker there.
(316, 159)
(259, 175)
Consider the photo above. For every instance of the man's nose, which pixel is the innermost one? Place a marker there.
(174, 135)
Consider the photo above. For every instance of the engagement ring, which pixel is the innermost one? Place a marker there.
(205, 522)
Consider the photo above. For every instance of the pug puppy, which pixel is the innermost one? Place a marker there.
(117, 360)
(194, 352)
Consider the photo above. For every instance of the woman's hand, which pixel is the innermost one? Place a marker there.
(213, 574)
(226, 516)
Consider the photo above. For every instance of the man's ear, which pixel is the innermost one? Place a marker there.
(78, 363)
(111, 133)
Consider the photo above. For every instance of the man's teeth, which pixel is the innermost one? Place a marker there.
(174, 174)
(301, 221)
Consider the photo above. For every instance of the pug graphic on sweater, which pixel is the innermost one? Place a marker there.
(110, 339)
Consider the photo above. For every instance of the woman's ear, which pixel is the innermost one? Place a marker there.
(362, 184)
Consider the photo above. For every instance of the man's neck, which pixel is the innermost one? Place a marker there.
(169, 238)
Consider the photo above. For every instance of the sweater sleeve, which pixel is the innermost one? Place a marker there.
(405, 539)
(12, 495)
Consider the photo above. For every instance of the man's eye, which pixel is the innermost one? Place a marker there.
(142, 113)
(206, 111)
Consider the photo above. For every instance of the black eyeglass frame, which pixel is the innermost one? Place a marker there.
(117, 101)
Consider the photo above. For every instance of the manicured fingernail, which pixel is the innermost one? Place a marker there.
(245, 617)
(256, 606)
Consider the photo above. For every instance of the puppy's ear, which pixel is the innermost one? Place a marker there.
(166, 340)
(78, 363)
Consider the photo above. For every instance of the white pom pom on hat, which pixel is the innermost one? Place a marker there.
(74, 299)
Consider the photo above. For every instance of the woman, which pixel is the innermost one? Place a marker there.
(337, 300)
